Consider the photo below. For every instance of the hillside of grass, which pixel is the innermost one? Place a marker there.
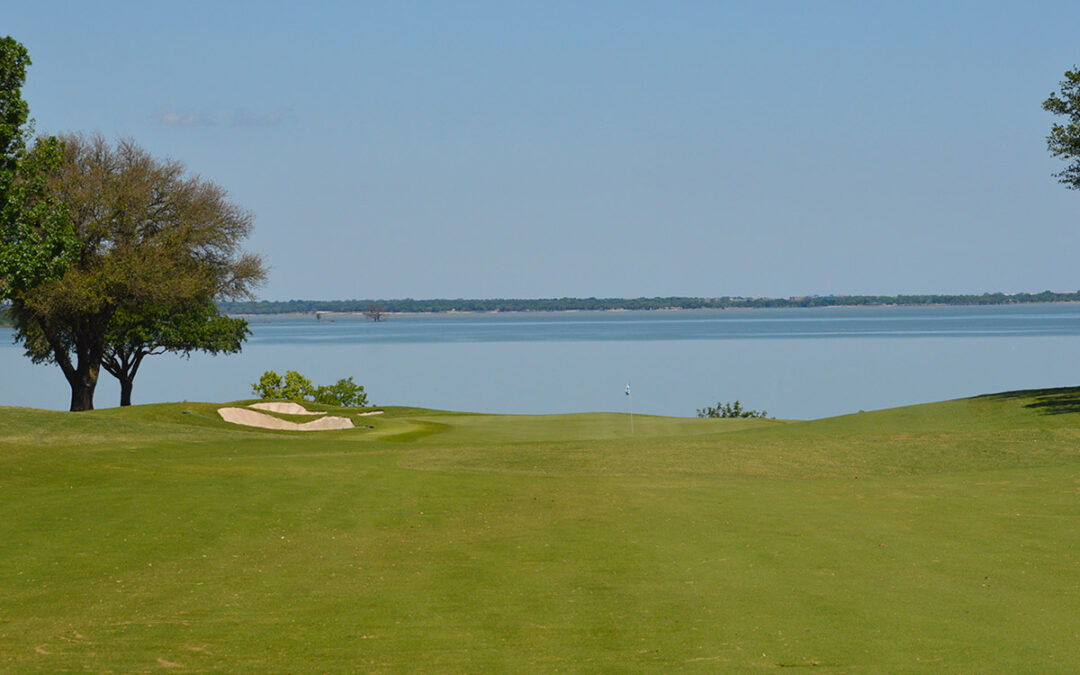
(943, 536)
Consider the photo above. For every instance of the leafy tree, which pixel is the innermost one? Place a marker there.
(1064, 139)
(148, 237)
(137, 332)
(375, 312)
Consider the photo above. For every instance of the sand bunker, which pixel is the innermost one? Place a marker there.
(287, 407)
(373, 412)
(253, 418)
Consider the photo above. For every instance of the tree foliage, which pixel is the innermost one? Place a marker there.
(293, 387)
(344, 393)
(37, 243)
(1064, 138)
(269, 386)
(137, 332)
(14, 112)
(297, 387)
(149, 239)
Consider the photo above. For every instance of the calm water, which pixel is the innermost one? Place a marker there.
(803, 363)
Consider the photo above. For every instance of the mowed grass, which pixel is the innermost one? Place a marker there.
(158, 538)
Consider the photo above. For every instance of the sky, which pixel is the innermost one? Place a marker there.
(608, 149)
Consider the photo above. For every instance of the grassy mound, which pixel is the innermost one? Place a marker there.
(938, 536)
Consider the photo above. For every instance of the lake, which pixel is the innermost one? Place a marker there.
(795, 363)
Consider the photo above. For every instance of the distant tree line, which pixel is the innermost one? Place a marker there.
(673, 302)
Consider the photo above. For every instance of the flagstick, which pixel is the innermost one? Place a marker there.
(631, 397)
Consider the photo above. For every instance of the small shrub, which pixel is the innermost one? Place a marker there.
(297, 387)
(344, 393)
(268, 386)
(730, 410)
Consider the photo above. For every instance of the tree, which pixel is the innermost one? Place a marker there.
(37, 242)
(1064, 139)
(137, 332)
(148, 238)
(375, 312)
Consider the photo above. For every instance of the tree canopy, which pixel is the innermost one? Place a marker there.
(14, 112)
(1064, 138)
(149, 239)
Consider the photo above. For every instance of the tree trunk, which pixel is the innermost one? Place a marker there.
(88, 348)
(122, 362)
(125, 391)
(83, 378)
(83, 384)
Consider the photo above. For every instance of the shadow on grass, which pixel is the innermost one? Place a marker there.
(1060, 401)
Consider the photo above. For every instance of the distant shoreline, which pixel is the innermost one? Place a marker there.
(331, 314)
(503, 305)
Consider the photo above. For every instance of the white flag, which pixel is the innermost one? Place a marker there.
(627, 388)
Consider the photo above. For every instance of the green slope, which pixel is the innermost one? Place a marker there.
(158, 537)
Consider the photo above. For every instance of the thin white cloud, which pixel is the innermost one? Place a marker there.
(182, 118)
(248, 119)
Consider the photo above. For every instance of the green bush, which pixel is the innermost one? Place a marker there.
(345, 393)
(295, 387)
(729, 410)
(268, 386)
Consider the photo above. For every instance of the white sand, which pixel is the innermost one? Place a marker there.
(373, 412)
(252, 418)
(287, 407)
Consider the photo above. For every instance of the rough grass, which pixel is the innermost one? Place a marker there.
(944, 536)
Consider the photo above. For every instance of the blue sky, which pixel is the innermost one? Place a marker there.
(538, 149)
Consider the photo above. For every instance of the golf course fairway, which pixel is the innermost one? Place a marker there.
(159, 538)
